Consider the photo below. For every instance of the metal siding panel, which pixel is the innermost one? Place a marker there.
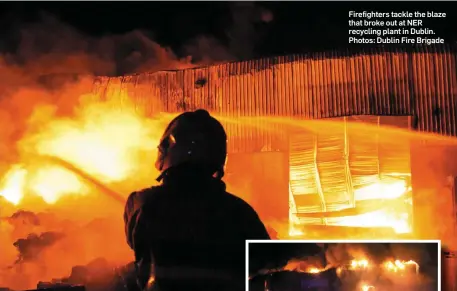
(175, 96)
(326, 99)
(385, 104)
(420, 83)
(230, 94)
(312, 85)
(353, 86)
(290, 95)
(448, 87)
(306, 82)
(346, 87)
(441, 82)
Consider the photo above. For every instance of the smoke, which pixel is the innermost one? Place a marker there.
(53, 47)
(30, 248)
(248, 28)
(43, 62)
(54, 246)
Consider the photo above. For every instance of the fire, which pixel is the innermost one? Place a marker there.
(386, 190)
(293, 231)
(107, 143)
(380, 218)
(12, 184)
(398, 219)
(314, 270)
(398, 266)
(43, 183)
(302, 266)
(359, 264)
(366, 287)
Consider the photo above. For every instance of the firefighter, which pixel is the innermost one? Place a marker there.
(189, 232)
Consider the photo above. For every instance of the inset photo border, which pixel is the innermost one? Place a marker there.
(343, 265)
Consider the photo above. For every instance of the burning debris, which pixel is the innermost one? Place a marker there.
(311, 264)
(24, 217)
(98, 274)
(400, 266)
(369, 266)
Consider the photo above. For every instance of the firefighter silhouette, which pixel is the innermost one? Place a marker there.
(189, 233)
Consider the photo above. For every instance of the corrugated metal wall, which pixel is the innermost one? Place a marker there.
(421, 83)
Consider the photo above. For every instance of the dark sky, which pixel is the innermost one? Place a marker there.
(296, 26)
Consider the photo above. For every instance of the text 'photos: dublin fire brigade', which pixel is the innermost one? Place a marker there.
(344, 265)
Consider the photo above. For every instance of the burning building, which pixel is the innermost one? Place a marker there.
(362, 151)
(370, 157)
(346, 145)
(345, 266)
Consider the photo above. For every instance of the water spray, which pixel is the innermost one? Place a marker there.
(85, 176)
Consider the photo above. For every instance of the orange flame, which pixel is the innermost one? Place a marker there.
(381, 218)
(366, 287)
(108, 144)
(359, 264)
(388, 190)
(398, 265)
(313, 270)
(302, 266)
(12, 184)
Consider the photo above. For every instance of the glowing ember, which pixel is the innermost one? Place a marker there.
(397, 265)
(358, 264)
(302, 266)
(295, 232)
(366, 287)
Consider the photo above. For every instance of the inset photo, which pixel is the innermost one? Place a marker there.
(343, 265)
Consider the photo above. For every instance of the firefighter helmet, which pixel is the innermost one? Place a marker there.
(193, 137)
